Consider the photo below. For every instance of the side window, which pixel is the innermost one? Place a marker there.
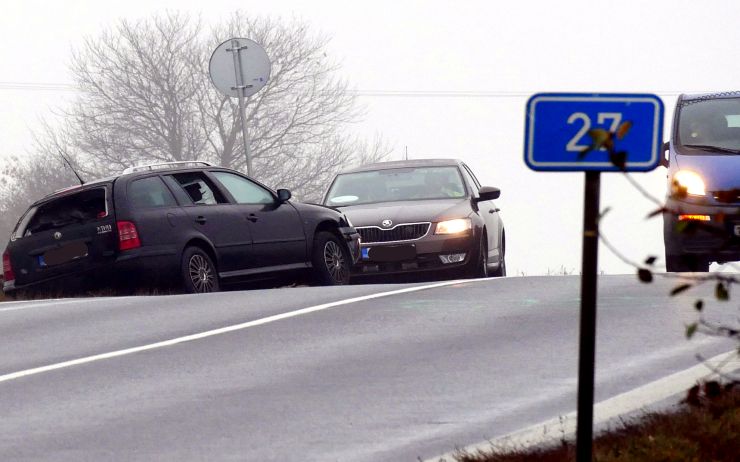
(243, 190)
(149, 192)
(198, 190)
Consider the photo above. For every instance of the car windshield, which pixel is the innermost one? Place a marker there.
(711, 125)
(397, 184)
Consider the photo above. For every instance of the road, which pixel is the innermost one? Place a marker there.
(395, 377)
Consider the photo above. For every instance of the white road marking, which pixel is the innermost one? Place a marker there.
(554, 430)
(224, 330)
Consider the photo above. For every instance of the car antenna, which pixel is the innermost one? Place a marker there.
(69, 164)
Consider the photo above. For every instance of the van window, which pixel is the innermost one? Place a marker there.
(79, 208)
(710, 123)
(149, 192)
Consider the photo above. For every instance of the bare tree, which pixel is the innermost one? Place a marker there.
(145, 96)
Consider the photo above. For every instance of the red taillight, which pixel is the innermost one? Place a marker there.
(8, 273)
(128, 237)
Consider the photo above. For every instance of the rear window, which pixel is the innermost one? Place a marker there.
(82, 207)
(148, 193)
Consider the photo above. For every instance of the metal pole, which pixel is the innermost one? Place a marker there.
(241, 88)
(587, 347)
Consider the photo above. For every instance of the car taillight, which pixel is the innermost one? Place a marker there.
(128, 237)
(8, 273)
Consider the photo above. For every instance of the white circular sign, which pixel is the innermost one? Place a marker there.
(239, 61)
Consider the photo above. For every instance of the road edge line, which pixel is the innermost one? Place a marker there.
(564, 427)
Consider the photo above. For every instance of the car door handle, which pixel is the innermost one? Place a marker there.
(201, 219)
(253, 218)
(494, 210)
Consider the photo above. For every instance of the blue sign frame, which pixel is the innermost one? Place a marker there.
(557, 126)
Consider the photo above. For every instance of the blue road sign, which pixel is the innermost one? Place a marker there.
(558, 124)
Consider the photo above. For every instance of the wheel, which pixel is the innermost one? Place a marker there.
(478, 266)
(198, 272)
(686, 264)
(331, 260)
(501, 270)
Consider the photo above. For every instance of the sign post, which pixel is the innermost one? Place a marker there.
(592, 133)
(239, 68)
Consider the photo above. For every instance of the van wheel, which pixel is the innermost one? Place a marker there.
(198, 272)
(330, 259)
(685, 264)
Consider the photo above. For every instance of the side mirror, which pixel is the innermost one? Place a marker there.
(284, 195)
(665, 154)
(488, 193)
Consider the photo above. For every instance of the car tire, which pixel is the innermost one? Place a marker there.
(330, 259)
(478, 267)
(501, 270)
(686, 264)
(199, 274)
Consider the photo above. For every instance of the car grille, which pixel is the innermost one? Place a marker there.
(405, 232)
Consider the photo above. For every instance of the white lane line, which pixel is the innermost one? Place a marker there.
(224, 330)
(554, 430)
(29, 304)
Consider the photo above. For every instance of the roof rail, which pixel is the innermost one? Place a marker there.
(183, 164)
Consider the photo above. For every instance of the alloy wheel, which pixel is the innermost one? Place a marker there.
(201, 274)
(335, 262)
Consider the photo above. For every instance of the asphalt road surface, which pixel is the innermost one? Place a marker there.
(406, 375)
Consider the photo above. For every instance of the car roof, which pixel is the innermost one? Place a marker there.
(405, 164)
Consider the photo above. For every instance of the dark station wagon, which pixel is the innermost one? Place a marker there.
(184, 222)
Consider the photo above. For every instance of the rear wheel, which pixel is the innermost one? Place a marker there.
(330, 259)
(198, 272)
(686, 264)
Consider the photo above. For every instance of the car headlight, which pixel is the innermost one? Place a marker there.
(691, 181)
(456, 226)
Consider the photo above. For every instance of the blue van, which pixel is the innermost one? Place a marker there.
(702, 221)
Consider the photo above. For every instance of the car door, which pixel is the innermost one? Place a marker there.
(210, 213)
(490, 214)
(278, 237)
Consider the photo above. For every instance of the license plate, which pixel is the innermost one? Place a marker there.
(63, 254)
(392, 253)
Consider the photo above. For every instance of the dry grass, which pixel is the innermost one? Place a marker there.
(705, 428)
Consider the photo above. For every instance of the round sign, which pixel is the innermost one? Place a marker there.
(239, 63)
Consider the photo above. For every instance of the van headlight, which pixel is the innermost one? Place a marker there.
(690, 181)
(456, 226)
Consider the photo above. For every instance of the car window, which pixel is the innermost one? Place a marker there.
(243, 190)
(710, 124)
(149, 192)
(471, 181)
(396, 184)
(79, 208)
(198, 189)
(472, 175)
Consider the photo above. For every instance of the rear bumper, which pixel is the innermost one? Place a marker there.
(717, 239)
(131, 267)
(429, 251)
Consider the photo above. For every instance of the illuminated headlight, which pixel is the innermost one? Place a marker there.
(453, 226)
(691, 181)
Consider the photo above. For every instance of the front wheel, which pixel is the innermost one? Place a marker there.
(478, 265)
(501, 270)
(198, 272)
(330, 259)
(686, 264)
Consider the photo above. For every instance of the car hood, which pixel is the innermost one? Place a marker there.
(407, 211)
(720, 172)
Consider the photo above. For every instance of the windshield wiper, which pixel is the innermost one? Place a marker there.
(709, 147)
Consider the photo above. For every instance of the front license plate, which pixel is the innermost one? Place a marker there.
(392, 253)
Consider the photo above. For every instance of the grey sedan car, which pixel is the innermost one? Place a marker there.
(422, 215)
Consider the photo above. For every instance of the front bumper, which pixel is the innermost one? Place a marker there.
(427, 252)
(353, 242)
(716, 240)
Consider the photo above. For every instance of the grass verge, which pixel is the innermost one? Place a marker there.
(705, 428)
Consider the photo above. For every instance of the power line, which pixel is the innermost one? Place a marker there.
(68, 87)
